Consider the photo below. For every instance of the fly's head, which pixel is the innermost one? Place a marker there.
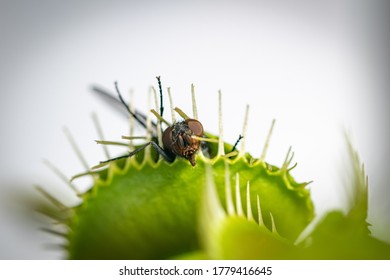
(178, 139)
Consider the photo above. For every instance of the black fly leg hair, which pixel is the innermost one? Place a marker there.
(141, 121)
(236, 144)
(116, 104)
(168, 157)
(161, 96)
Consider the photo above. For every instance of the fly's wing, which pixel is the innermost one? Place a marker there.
(116, 104)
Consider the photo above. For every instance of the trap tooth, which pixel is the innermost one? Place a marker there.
(54, 232)
(249, 213)
(266, 144)
(51, 198)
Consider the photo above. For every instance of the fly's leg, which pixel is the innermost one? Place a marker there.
(167, 156)
(236, 144)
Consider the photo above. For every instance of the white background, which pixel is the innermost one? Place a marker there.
(318, 67)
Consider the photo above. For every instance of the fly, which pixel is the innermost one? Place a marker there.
(179, 139)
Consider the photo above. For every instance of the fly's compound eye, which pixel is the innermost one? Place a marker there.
(167, 138)
(195, 126)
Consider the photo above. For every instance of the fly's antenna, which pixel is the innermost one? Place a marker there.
(141, 121)
(161, 96)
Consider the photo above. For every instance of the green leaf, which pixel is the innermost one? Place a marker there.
(346, 236)
(150, 211)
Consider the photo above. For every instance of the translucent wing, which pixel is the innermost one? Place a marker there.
(123, 109)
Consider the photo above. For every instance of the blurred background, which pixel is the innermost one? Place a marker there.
(318, 67)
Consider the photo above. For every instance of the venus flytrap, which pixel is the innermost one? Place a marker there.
(233, 233)
(143, 207)
(345, 234)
